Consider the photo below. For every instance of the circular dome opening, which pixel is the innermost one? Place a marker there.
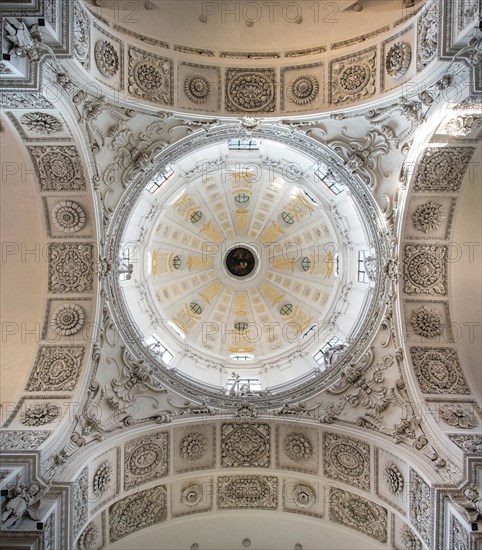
(240, 261)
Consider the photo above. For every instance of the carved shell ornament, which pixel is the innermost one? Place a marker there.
(198, 88)
(303, 89)
(304, 496)
(398, 59)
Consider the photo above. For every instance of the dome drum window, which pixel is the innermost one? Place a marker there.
(195, 216)
(195, 308)
(286, 309)
(241, 198)
(287, 217)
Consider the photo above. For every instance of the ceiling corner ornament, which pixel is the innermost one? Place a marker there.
(193, 447)
(137, 511)
(426, 322)
(245, 445)
(353, 78)
(358, 513)
(438, 371)
(68, 216)
(198, 88)
(150, 77)
(106, 58)
(43, 124)
(425, 269)
(102, 478)
(297, 447)
(398, 59)
(303, 89)
(250, 90)
(68, 319)
(428, 217)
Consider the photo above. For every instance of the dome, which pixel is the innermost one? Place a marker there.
(247, 263)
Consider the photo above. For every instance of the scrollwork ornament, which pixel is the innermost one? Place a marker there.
(192, 495)
(106, 58)
(398, 59)
(303, 89)
(137, 511)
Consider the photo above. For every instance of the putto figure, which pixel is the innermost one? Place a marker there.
(23, 499)
(26, 42)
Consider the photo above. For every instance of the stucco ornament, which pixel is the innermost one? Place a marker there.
(398, 59)
(102, 478)
(394, 479)
(198, 88)
(68, 319)
(193, 447)
(106, 58)
(192, 495)
(298, 447)
(68, 216)
(22, 499)
(41, 123)
(303, 89)
(426, 322)
(304, 496)
(428, 217)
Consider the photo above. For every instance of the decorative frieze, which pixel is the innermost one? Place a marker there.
(71, 267)
(425, 269)
(248, 491)
(347, 459)
(250, 90)
(137, 511)
(438, 371)
(442, 169)
(56, 368)
(245, 445)
(421, 507)
(150, 77)
(146, 459)
(58, 167)
(358, 513)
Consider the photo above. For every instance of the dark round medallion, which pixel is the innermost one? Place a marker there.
(240, 262)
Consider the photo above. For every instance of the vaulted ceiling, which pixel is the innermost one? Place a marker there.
(241, 274)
